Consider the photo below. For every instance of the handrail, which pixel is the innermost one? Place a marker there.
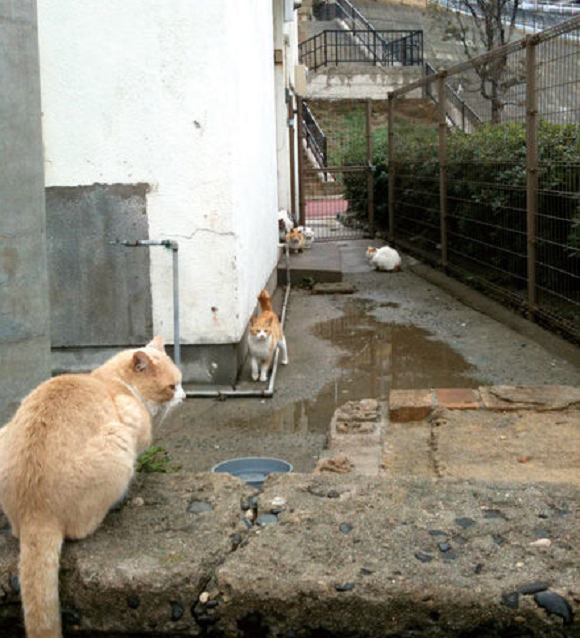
(467, 112)
(387, 48)
(314, 136)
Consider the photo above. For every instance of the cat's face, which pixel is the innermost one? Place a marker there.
(260, 330)
(294, 236)
(371, 252)
(155, 376)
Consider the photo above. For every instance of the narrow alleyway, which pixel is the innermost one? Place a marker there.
(397, 331)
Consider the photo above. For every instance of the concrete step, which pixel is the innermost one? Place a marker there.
(321, 263)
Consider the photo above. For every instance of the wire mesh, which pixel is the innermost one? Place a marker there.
(489, 186)
(335, 193)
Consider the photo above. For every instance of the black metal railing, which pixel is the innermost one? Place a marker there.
(459, 113)
(384, 48)
(314, 136)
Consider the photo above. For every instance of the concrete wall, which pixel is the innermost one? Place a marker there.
(177, 95)
(360, 81)
(105, 288)
(24, 326)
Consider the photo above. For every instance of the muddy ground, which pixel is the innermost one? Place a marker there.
(396, 331)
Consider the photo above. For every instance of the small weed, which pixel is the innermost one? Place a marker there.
(307, 283)
(155, 459)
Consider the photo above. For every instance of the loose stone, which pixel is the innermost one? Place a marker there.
(424, 558)
(236, 540)
(555, 604)
(245, 504)
(498, 539)
(511, 599)
(203, 597)
(478, 568)
(197, 507)
(365, 571)
(493, 514)
(177, 611)
(211, 604)
(541, 542)
(464, 522)
(247, 522)
(266, 519)
(540, 532)
(437, 532)
(444, 547)
(278, 502)
(15, 584)
(205, 620)
(250, 515)
(253, 500)
(333, 494)
(133, 602)
(533, 588)
(345, 528)
(449, 556)
(345, 587)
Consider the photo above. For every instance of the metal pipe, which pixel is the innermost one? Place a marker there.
(268, 393)
(174, 247)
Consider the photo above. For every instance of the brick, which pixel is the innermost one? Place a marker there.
(458, 398)
(409, 405)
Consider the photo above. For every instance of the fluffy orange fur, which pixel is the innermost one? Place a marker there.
(68, 455)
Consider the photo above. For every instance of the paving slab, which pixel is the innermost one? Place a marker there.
(328, 555)
(358, 556)
(320, 263)
(520, 446)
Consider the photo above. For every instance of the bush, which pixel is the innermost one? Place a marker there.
(486, 189)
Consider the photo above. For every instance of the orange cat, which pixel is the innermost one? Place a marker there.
(296, 240)
(67, 456)
(265, 336)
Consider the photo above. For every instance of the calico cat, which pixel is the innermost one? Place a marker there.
(385, 258)
(68, 455)
(295, 240)
(265, 336)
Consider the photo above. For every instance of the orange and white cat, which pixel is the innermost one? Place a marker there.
(295, 240)
(265, 336)
(68, 455)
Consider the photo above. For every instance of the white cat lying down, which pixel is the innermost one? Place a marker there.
(385, 258)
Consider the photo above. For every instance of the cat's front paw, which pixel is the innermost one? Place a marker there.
(263, 377)
(255, 377)
(284, 362)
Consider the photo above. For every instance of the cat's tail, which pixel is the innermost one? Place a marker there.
(264, 299)
(40, 546)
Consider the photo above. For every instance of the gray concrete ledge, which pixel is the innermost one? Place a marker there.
(345, 556)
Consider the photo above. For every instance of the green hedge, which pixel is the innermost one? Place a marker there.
(486, 195)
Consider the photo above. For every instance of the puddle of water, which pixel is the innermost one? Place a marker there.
(377, 357)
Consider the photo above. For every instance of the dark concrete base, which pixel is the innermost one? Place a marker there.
(201, 364)
(320, 263)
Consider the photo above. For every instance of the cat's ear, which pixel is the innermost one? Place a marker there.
(141, 361)
(157, 343)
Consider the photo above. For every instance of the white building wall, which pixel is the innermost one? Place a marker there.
(179, 95)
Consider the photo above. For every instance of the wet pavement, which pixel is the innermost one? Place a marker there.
(397, 331)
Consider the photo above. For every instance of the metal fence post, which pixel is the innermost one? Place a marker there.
(391, 193)
(291, 139)
(531, 168)
(370, 180)
(301, 185)
(442, 103)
